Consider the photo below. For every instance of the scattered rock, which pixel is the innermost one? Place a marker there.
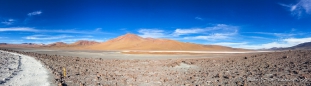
(177, 72)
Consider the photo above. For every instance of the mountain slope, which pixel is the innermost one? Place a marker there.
(306, 45)
(84, 42)
(57, 44)
(302, 46)
(134, 42)
(75, 44)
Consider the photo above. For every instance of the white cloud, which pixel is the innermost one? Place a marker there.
(198, 18)
(219, 28)
(46, 37)
(152, 33)
(282, 43)
(188, 31)
(12, 41)
(11, 20)
(98, 29)
(34, 13)
(8, 22)
(66, 31)
(263, 46)
(297, 40)
(4, 37)
(230, 43)
(124, 29)
(215, 36)
(259, 38)
(88, 36)
(302, 7)
(27, 29)
(282, 35)
(217, 32)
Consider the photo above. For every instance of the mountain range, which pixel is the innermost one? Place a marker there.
(134, 42)
(302, 46)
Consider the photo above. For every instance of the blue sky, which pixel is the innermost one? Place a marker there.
(251, 24)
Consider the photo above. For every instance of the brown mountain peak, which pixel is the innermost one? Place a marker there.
(131, 41)
(58, 44)
(128, 37)
(131, 35)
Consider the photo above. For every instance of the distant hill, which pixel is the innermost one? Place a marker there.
(134, 42)
(22, 45)
(306, 45)
(84, 42)
(77, 43)
(57, 44)
(302, 46)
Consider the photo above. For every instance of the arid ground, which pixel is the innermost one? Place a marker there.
(102, 68)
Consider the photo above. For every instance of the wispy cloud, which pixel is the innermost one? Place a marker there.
(179, 32)
(68, 31)
(198, 18)
(12, 41)
(214, 29)
(124, 29)
(98, 29)
(30, 16)
(46, 37)
(282, 35)
(8, 22)
(217, 32)
(2, 37)
(300, 8)
(34, 13)
(259, 38)
(27, 29)
(297, 40)
(213, 37)
(279, 35)
(230, 43)
(288, 42)
(153, 33)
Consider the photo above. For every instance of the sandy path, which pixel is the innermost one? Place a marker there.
(32, 73)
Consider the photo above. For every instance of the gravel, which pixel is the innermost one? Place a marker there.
(258, 69)
(22, 70)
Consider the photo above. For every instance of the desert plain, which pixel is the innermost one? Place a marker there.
(113, 68)
(181, 66)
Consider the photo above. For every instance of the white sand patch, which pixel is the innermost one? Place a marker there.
(198, 51)
(185, 66)
(32, 73)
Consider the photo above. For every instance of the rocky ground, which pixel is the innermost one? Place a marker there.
(21, 70)
(9, 66)
(269, 68)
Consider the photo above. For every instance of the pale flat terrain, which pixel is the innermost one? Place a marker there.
(22, 70)
(135, 42)
(124, 54)
(112, 68)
